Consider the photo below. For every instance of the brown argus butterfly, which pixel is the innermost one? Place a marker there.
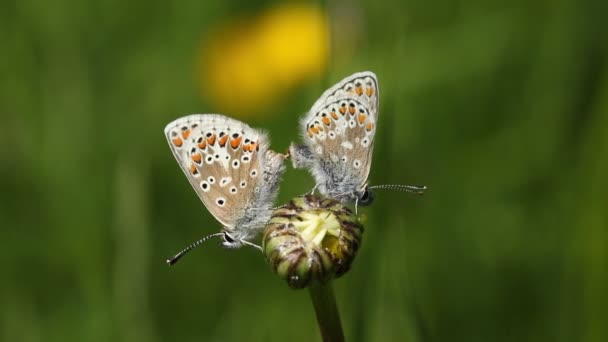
(338, 134)
(231, 170)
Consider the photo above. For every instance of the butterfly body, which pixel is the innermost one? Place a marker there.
(231, 169)
(338, 134)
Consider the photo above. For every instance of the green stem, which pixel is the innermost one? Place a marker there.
(328, 317)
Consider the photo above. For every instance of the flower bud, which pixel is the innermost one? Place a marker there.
(311, 240)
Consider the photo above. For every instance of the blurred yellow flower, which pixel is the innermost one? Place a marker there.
(250, 63)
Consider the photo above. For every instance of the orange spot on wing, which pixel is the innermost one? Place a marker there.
(247, 148)
(343, 110)
(369, 126)
(211, 140)
(359, 91)
(223, 140)
(197, 158)
(334, 115)
(193, 169)
(178, 142)
(236, 142)
(314, 129)
(202, 144)
(362, 118)
(351, 110)
(369, 92)
(186, 134)
(326, 120)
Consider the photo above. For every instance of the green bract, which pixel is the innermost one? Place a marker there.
(311, 240)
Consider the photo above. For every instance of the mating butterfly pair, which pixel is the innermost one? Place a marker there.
(236, 175)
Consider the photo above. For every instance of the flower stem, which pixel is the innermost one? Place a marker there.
(328, 317)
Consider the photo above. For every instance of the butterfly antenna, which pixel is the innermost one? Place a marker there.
(172, 260)
(415, 189)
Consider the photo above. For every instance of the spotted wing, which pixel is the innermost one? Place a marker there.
(339, 131)
(224, 160)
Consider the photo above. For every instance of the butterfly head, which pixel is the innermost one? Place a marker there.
(364, 196)
(229, 241)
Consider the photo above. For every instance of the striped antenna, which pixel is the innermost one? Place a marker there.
(415, 189)
(172, 260)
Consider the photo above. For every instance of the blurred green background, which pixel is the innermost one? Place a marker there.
(500, 108)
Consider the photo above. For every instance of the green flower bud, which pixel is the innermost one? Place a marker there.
(311, 240)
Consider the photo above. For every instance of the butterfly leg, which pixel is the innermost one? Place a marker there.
(312, 192)
(250, 244)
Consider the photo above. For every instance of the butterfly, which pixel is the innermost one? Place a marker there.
(338, 134)
(232, 171)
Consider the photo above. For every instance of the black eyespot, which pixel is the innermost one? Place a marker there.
(199, 140)
(222, 134)
(235, 135)
(184, 128)
(220, 201)
(209, 134)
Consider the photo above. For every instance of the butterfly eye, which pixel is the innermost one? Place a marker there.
(366, 198)
(228, 238)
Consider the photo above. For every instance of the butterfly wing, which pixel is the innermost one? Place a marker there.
(227, 163)
(339, 135)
